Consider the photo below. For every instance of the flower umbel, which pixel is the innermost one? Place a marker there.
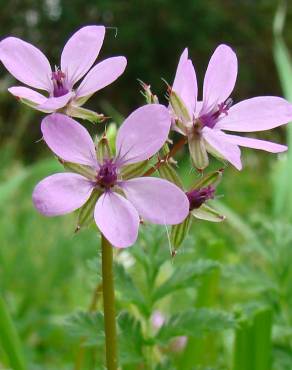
(121, 201)
(203, 121)
(31, 67)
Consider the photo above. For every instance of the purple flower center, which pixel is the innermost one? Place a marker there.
(199, 196)
(107, 174)
(210, 119)
(58, 78)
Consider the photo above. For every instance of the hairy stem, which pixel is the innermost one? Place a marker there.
(171, 153)
(109, 305)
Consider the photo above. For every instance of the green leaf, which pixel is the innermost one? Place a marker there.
(88, 326)
(9, 339)
(195, 323)
(207, 213)
(127, 290)
(184, 276)
(130, 339)
(179, 232)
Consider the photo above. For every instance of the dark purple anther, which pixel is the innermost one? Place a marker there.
(107, 174)
(210, 119)
(60, 88)
(199, 196)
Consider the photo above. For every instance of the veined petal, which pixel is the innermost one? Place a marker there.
(25, 93)
(257, 114)
(156, 200)
(26, 63)
(256, 144)
(220, 77)
(143, 133)
(55, 103)
(61, 193)
(185, 82)
(68, 139)
(217, 140)
(117, 219)
(80, 52)
(101, 75)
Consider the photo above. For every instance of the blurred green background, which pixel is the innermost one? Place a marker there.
(47, 274)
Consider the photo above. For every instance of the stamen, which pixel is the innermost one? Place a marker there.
(107, 174)
(58, 78)
(199, 196)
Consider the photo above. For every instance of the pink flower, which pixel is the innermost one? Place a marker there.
(122, 201)
(203, 121)
(31, 67)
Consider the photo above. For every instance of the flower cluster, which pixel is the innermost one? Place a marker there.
(116, 189)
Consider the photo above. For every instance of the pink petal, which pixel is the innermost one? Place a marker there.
(256, 144)
(68, 139)
(52, 104)
(143, 133)
(61, 193)
(80, 52)
(220, 77)
(257, 114)
(185, 82)
(101, 75)
(156, 200)
(26, 63)
(22, 92)
(218, 141)
(117, 219)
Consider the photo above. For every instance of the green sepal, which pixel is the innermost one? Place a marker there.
(31, 104)
(81, 169)
(198, 152)
(134, 170)
(207, 213)
(212, 178)
(86, 212)
(179, 232)
(86, 114)
(103, 150)
(147, 93)
(168, 172)
(214, 152)
(165, 150)
(179, 107)
(111, 134)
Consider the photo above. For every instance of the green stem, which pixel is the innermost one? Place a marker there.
(109, 305)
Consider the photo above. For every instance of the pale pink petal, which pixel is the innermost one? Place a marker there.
(257, 114)
(68, 139)
(55, 103)
(26, 63)
(80, 52)
(220, 77)
(256, 144)
(117, 219)
(101, 75)
(156, 200)
(61, 193)
(218, 141)
(143, 133)
(185, 82)
(25, 93)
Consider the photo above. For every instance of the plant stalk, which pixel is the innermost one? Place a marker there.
(109, 305)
